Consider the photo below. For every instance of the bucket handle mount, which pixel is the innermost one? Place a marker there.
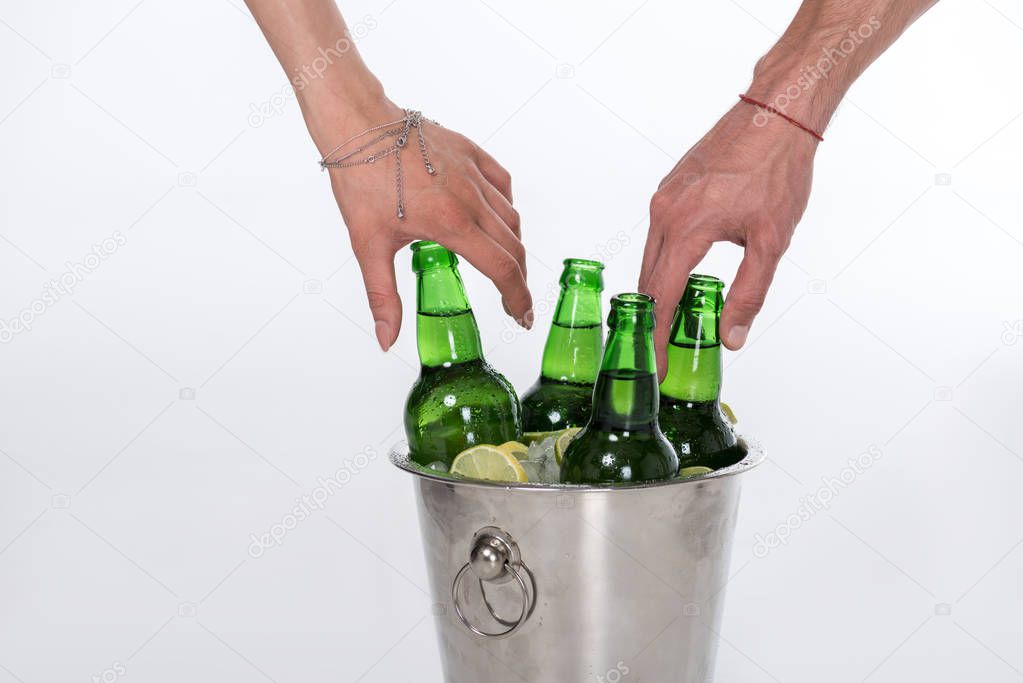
(494, 558)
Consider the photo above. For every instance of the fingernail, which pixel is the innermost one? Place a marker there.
(383, 335)
(737, 335)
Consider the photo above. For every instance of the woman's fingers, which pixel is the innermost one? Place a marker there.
(499, 230)
(495, 173)
(490, 258)
(376, 261)
(501, 221)
(467, 209)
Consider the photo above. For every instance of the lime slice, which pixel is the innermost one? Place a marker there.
(694, 471)
(515, 449)
(530, 437)
(727, 410)
(488, 462)
(561, 444)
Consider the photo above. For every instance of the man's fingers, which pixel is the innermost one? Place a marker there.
(666, 283)
(651, 253)
(747, 294)
(495, 173)
(662, 216)
(491, 259)
(377, 265)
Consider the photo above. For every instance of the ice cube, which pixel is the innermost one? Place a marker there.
(550, 471)
(534, 470)
(540, 464)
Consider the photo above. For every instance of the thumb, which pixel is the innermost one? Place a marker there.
(746, 296)
(377, 266)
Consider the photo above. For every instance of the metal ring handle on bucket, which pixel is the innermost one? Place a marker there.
(494, 557)
(514, 626)
(532, 600)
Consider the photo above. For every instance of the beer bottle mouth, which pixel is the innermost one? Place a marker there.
(633, 301)
(702, 294)
(632, 310)
(583, 263)
(705, 282)
(430, 255)
(583, 272)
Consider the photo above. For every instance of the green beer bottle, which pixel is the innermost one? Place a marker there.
(563, 395)
(691, 414)
(622, 442)
(458, 400)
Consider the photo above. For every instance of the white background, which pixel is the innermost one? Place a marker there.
(126, 507)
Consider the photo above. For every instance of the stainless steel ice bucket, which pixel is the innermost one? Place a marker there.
(556, 584)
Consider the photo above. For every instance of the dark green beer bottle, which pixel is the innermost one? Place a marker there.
(622, 442)
(691, 414)
(458, 400)
(563, 395)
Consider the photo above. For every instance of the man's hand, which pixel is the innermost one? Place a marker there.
(742, 183)
(466, 206)
(747, 181)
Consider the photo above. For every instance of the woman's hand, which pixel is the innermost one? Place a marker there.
(466, 205)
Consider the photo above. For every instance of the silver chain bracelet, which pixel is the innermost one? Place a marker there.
(400, 130)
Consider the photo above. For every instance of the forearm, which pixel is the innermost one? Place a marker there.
(825, 49)
(334, 87)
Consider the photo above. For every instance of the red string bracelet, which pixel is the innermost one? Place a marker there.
(767, 107)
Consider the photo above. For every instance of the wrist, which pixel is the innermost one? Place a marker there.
(767, 135)
(804, 85)
(337, 107)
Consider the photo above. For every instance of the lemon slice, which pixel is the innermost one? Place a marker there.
(727, 410)
(530, 437)
(488, 462)
(561, 444)
(694, 471)
(515, 448)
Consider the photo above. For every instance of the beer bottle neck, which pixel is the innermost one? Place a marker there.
(694, 372)
(694, 348)
(625, 397)
(574, 344)
(445, 326)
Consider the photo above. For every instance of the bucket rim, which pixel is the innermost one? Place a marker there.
(399, 457)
